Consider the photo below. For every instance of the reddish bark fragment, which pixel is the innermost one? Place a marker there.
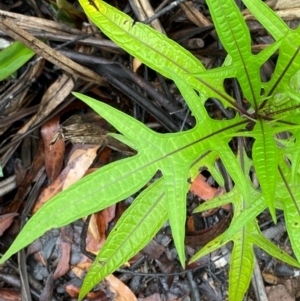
(66, 237)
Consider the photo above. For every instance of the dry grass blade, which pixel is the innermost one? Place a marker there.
(47, 52)
(54, 31)
(55, 95)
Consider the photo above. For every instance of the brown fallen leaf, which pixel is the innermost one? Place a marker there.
(103, 218)
(99, 295)
(119, 289)
(6, 220)
(79, 162)
(81, 268)
(72, 290)
(269, 277)
(202, 189)
(206, 192)
(97, 228)
(9, 295)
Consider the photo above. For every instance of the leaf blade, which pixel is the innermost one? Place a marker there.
(13, 57)
(265, 159)
(132, 36)
(63, 208)
(142, 220)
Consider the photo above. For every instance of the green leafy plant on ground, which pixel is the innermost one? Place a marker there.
(12, 58)
(274, 108)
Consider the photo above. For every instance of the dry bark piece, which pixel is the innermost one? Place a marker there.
(66, 240)
(153, 250)
(55, 31)
(48, 289)
(8, 185)
(283, 4)
(278, 293)
(288, 10)
(194, 15)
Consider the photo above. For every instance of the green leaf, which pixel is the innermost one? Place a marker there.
(77, 202)
(265, 159)
(235, 37)
(12, 58)
(288, 193)
(161, 52)
(173, 158)
(265, 15)
(153, 48)
(295, 157)
(244, 238)
(170, 153)
(275, 108)
(288, 62)
(131, 233)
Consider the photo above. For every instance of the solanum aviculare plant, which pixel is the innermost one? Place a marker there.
(273, 109)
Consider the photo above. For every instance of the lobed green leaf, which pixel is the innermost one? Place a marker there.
(275, 108)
